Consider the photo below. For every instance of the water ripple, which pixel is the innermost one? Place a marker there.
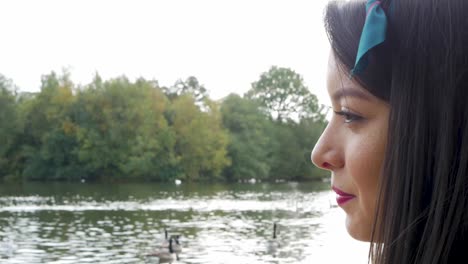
(224, 227)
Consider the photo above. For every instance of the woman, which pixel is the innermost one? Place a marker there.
(397, 145)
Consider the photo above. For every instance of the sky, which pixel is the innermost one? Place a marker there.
(226, 44)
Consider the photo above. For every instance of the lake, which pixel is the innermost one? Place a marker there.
(218, 223)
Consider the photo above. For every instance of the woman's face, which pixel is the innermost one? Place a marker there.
(352, 148)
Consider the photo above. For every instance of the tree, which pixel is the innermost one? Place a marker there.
(190, 86)
(200, 139)
(122, 133)
(8, 127)
(307, 132)
(283, 93)
(250, 143)
(287, 154)
(151, 155)
(48, 132)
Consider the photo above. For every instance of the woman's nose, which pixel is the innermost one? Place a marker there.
(327, 153)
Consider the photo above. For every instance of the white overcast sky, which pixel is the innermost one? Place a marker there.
(226, 44)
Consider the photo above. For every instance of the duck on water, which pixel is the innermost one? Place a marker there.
(163, 254)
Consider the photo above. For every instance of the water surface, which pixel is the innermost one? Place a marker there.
(218, 223)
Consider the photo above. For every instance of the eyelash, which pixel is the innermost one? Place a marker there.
(348, 116)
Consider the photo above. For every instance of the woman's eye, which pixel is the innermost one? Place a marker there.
(348, 116)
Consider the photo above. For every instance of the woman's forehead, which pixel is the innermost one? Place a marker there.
(339, 85)
(337, 78)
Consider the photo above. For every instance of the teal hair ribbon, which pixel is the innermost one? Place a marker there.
(373, 34)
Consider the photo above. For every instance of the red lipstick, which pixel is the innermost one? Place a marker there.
(341, 196)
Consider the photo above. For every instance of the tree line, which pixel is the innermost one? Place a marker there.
(118, 130)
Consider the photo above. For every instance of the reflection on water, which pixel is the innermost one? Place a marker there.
(81, 223)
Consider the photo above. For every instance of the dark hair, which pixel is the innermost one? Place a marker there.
(421, 71)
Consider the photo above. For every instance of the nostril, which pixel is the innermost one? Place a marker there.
(326, 165)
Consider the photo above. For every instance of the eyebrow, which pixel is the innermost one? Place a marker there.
(352, 92)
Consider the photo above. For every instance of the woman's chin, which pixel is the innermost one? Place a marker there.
(361, 232)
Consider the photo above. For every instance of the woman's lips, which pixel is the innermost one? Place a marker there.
(341, 196)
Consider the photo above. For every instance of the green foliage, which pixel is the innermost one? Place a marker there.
(151, 155)
(106, 130)
(293, 143)
(283, 93)
(307, 133)
(200, 139)
(190, 86)
(8, 127)
(122, 131)
(49, 145)
(250, 144)
(119, 130)
(299, 122)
